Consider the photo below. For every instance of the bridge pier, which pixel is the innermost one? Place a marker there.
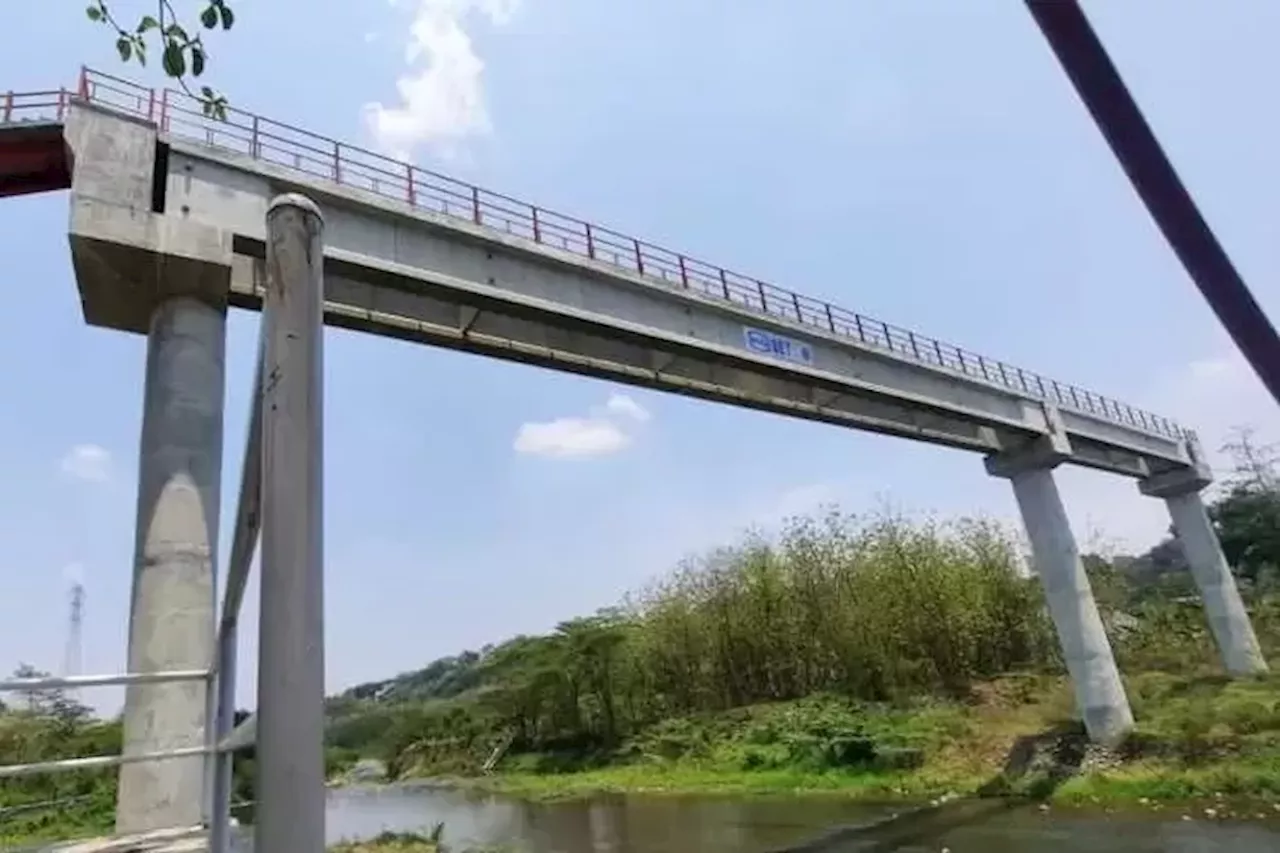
(1228, 619)
(143, 270)
(171, 619)
(1095, 678)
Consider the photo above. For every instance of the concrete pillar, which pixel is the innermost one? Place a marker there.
(171, 619)
(290, 743)
(1100, 695)
(1180, 489)
(1228, 619)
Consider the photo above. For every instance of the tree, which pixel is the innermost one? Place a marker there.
(1252, 464)
(182, 55)
(65, 710)
(1247, 515)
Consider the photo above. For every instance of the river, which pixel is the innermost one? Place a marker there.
(667, 824)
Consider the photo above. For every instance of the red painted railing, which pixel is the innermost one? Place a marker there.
(179, 114)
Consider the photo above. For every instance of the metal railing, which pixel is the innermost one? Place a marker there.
(279, 503)
(180, 115)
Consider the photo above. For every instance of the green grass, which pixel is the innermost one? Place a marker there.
(1198, 738)
(392, 842)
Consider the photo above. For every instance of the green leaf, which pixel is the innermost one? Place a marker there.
(197, 61)
(174, 31)
(175, 64)
(140, 48)
(148, 23)
(228, 18)
(209, 17)
(125, 47)
(94, 13)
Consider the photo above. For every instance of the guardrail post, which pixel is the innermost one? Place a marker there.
(724, 285)
(639, 257)
(475, 205)
(337, 162)
(224, 719)
(795, 301)
(8, 106)
(412, 193)
(591, 243)
(537, 227)
(684, 273)
(290, 727)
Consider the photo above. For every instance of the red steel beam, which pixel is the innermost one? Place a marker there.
(1104, 93)
(32, 160)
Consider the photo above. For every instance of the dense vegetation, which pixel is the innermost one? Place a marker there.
(870, 618)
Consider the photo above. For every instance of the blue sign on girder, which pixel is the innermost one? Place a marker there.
(778, 346)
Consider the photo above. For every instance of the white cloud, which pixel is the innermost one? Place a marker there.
(602, 432)
(87, 462)
(441, 93)
(621, 404)
(571, 437)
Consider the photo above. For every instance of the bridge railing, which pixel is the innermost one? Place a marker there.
(64, 765)
(181, 115)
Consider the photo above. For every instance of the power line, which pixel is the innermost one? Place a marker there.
(1099, 85)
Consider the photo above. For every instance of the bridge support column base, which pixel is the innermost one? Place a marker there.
(171, 620)
(1099, 693)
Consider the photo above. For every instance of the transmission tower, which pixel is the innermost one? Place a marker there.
(71, 661)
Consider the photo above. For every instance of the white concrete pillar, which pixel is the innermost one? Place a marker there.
(1100, 696)
(171, 619)
(1228, 619)
(290, 741)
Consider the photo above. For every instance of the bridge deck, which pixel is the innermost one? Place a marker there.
(414, 254)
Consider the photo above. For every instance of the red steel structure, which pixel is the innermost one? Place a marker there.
(179, 115)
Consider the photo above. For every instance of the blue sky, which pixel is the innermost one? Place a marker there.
(922, 162)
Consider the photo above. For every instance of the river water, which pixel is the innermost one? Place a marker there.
(667, 824)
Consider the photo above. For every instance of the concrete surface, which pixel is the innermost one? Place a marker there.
(1099, 692)
(1228, 619)
(1100, 696)
(172, 609)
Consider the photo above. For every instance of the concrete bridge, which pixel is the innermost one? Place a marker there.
(176, 217)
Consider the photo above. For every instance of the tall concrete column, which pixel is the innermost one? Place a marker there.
(1099, 692)
(1228, 619)
(1100, 695)
(171, 620)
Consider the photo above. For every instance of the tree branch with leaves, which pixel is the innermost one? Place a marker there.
(183, 56)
